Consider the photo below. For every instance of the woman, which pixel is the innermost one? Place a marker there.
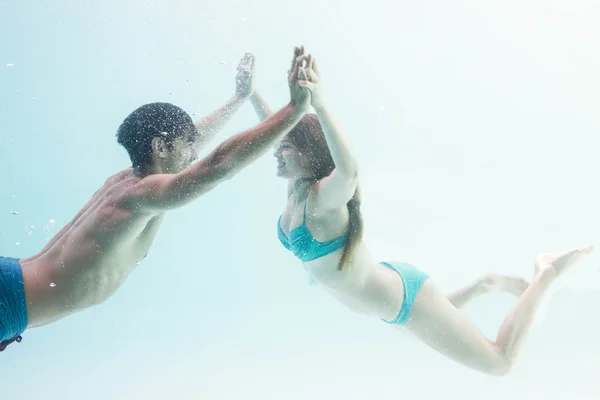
(321, 225)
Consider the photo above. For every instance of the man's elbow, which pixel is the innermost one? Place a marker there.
(221, 167)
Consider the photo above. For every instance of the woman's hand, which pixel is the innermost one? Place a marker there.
(310, 78)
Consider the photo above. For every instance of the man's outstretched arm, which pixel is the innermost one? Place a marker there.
(212, 124)
(168, 191)
(261, 108)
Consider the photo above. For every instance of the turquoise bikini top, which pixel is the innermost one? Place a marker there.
(304, 246)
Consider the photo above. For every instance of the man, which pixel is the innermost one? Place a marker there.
(92, 256)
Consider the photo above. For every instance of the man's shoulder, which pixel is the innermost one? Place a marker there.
(127, 192)
(119, 176)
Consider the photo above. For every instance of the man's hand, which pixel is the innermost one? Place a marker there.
(244, 80)
(299, 96)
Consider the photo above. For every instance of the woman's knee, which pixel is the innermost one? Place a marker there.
(500, 370)
(498, 364)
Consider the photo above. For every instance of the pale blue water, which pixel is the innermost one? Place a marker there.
(476, 125)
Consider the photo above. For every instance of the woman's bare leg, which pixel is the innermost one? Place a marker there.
(488, 283)
(443, 327)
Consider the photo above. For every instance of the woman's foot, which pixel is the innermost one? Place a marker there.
(550, 266)
(501, 283)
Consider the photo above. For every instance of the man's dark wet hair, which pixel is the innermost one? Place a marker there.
(152, 120)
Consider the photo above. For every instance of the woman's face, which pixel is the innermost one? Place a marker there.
(291, 163)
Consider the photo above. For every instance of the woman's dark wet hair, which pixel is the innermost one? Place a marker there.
(308, 137)
(163, 120)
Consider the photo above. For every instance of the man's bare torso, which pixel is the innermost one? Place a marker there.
(91, 257)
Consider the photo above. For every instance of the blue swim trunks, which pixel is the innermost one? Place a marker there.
(413, 279)
(13, 308)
